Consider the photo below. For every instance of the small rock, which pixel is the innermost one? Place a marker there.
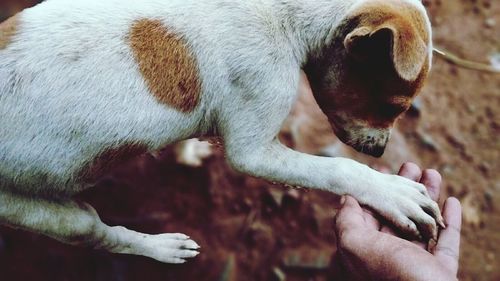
(495, 61)
(279, 274)
(471, 211)
(488, 197)
(447, 169)
(471, 108)
(415, 108)
(307, 258)
(428, 142)
(488, 267)
(247, 203)
(229, 272)
(293, 194)
(261, 234)
(497, 186)
(322, 219)
(490, 22)
(276, 197)
(490, 256)
(485, 167)
(438, 20)
(192, 152)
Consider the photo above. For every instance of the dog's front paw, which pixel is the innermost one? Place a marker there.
(406, 204)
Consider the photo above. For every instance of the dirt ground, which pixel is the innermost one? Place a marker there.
(250, 229)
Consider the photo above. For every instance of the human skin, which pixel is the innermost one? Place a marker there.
(370, 250)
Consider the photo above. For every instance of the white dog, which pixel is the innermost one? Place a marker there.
(84, 83)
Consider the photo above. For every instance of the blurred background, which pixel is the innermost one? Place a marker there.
(250, 229)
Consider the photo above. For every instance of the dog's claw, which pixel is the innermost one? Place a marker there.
(441, 223)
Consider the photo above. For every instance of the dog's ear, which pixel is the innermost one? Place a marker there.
(406, 48)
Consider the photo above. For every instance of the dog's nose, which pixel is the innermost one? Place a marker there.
(376, 151)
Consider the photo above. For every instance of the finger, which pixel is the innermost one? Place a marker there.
(350, 215)
(410, 171)
(370, 220)
(432, 181)
(448, 245)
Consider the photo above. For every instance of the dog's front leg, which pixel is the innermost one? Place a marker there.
(252, 147)
(402, 201)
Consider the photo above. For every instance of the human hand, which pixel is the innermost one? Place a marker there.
(370, 250)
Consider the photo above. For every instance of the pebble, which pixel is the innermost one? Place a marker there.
(495, 61)
(490, 22)
(448, 169)
(497, 186)
(306, 258)
(293, 194)
(229, 272)
(484, 167)
(428, 142)
(276, 196)
(488, 267)
(279, 274)
(415, 108)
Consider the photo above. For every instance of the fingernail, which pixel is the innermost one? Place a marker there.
(342, 200)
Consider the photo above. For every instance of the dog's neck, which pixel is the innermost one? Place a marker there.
(312, 22)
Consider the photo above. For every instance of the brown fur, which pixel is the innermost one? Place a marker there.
(410, 34)
(8, 29)
(381, 11)
(166, 64)
(107, 160)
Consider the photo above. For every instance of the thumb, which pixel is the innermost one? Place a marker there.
(350, 215)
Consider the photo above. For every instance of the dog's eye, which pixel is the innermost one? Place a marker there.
(392, 110)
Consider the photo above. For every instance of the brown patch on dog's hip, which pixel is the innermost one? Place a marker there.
(166, 64)
(8, 29)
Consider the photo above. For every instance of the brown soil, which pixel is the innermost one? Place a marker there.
(250, 229)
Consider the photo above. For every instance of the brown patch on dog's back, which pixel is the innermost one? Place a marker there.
(8, 29)
(166, 64)
(107, 160)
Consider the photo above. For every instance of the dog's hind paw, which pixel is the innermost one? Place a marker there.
(171, 248)
(167, 247)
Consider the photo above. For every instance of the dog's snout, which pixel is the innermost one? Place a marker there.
(366, 140)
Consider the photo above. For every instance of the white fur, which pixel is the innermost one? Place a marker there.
(70, 88)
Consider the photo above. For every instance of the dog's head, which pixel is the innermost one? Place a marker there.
(374, 66)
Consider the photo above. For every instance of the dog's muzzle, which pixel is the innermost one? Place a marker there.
(365, 140)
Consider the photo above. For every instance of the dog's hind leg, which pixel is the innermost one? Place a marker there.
(73, 223)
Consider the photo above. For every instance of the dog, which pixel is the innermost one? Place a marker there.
(87, 83)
